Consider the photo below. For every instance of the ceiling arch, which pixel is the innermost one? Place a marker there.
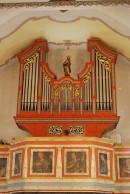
(76, 31)
(19, 27)
(115, 18)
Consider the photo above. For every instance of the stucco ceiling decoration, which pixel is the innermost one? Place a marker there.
(67, 44)
(59, 3)
(62, 31)
(109, 23)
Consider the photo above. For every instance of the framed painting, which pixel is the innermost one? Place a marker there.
(122, 167)
(104, 163)
(76, 162)
(42, 162)
(3, 167)
(17, 159)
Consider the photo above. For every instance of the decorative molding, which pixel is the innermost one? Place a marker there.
(67, 43)
(30, 61)
(48, 120)
(56, 91)
(67, 85)
(104, 61)
(77, 91)
(46, 77)
(87, 77)
(55, 130)
(62, 43)
(59, 3)
(76, 130)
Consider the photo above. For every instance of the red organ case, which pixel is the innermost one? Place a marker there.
(85, 106)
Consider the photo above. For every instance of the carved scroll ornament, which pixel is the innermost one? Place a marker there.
(104, 61)
(30, 61)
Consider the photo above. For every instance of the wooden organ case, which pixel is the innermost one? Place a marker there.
(85, 106)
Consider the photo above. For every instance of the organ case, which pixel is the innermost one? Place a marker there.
(85, 106)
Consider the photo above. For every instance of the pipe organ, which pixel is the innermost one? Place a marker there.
(46, 103)
(30, 83)
(103, 82)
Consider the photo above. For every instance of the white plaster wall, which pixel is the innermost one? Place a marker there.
(9, 87)
(117, 17)
(123, 98)
(9, 75)
(78, 61)
(20, 26)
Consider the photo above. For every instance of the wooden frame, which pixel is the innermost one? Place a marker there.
(104, 163)
(3, 166)
(42, 162)
(76, 162)
(122, 166)
(16, 163)
(95, 117)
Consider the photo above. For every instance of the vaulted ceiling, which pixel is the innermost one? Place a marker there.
(21, 23)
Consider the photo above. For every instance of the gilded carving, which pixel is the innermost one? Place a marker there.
(67, 85)
(56, 90)
(30, 61)
(104, 61)
(55, 130)
(46, 77)
(77, 91)
(75, 130)
(87, 77)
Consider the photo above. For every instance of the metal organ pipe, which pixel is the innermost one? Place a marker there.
(85, 96)
(81, 104)
(68, 90)
(89, 94)
(27, 91)
(59, 99)
(106, 88)
(49, 97)
(109, 90)
(98, 82)
(30, 76)
(73, 97)
(103, 82)
(86, 92)
(31, 107)
(46, 92)
(35, 85)
(24, 91)
(102, 88)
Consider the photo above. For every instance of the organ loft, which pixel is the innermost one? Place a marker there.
(84, 106)
(66, 117)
